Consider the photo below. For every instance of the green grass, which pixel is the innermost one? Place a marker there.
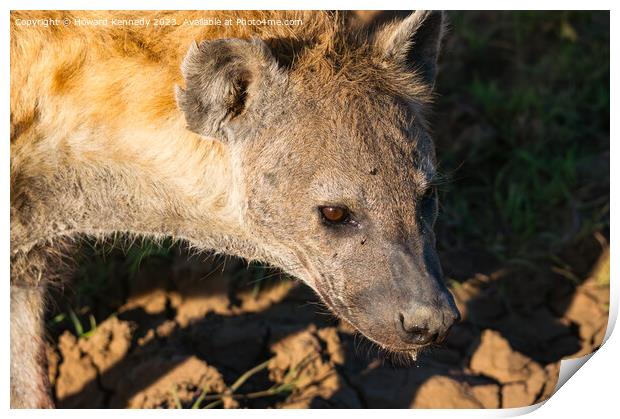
(137, 254)
(208, 400)
(530, 178)
(79, 329)
(102, 269)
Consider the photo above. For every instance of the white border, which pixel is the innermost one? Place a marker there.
(591, 393)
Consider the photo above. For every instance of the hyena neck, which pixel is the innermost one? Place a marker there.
(159, 181)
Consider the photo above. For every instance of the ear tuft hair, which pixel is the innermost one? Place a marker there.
(414, 42)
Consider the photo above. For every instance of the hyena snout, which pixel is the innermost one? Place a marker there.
(423, 324)
(421, 308)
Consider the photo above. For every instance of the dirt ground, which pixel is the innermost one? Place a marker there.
(184, 332)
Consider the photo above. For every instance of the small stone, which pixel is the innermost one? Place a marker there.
(495, 358)
(440, 392)
(76, 386)
(107, 347)
(159, 382)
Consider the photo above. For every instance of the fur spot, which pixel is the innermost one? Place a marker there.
(66, 74)
(19, 127)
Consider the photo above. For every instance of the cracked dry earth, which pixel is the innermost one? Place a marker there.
(185, 333)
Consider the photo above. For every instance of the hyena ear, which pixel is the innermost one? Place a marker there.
(414, 42)
(225, 79)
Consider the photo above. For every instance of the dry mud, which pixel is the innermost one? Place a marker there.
(188, 333)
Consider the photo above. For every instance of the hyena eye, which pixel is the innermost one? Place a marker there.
(335, 215)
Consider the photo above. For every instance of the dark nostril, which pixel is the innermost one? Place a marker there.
(414, 334)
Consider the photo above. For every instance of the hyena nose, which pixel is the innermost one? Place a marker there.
(422, 325)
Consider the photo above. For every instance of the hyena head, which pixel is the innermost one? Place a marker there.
(336, 166)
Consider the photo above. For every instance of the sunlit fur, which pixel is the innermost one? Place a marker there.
(100, 147)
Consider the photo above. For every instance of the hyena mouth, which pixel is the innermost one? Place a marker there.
(400, 354)
(397, 355)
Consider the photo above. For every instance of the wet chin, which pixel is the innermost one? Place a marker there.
(390, 342)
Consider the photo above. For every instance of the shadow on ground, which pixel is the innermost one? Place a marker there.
(186, 327)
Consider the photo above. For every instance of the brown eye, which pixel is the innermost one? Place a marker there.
(335, 215)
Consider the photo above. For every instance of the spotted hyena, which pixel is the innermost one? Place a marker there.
(303, 145)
